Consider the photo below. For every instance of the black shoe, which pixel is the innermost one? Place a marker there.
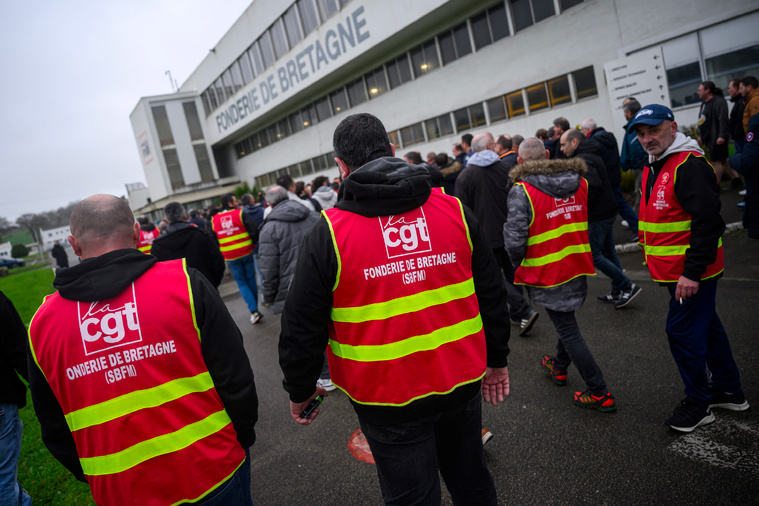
(626, 297)
(689, 415)
(736, 183)
(527, 323)
(633, 238)
(733, 402)
(609, 297)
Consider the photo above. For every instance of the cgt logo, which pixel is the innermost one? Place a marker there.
(106, 325)
(226, 222)
(406, 234)
(564, 202)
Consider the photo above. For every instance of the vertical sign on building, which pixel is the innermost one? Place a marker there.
(641, 76)
(144, 145)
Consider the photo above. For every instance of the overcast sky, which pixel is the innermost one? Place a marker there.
(72, 74)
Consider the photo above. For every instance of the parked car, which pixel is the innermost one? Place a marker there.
(11, 263)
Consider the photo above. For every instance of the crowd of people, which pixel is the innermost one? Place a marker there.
(412, 275)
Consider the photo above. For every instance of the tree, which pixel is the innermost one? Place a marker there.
(19, 251)
(33, 223)
(242, 189)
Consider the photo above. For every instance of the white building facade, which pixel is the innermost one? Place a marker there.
(266, 100)
(51, 235)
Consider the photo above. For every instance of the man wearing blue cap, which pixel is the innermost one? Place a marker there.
(680, 231)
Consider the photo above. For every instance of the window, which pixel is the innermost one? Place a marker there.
(254, 53)
(499, 25)
(376, 82)
(173, 168)
(558, 91)
(445, 124)
(461, 38)
(496, 109)
(683, 83)
(292, 25)
(585, 83)
(319, 163)
(527, 12)
(327, 8)
(425, 58)
(481, 31)
(296, 124)
(308, 116)
(193, 121)
(515, 103)
(356, 92)
(566, 4)
(542, 9)
(263, 139)
(339, 101)
(207, 107)
(162, 125)
(733, 65)
(477, 113)
(461, 117)
(394, 138)
(236, 76)
(306, 168)
(308, 16)
(277, 31)
(412, 134)
(447, 47)
(274, 133)
(218, 87)
(431, 126)
(283, 126)
(323, 108)
(398, 71)
(229, 89)
(537, 97)
(245, 68)
(204, 164)
(267, 51)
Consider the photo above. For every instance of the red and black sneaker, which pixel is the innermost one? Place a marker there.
(558, 377)
(601, 403)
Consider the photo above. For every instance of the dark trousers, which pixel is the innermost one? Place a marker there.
(233, 492)
(409, 455)
(519, 308)
(571, 348)
(698, 342)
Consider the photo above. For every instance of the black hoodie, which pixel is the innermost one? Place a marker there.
(198, 247)
(383, 187)
(106, 276)
(601, 202)
(12, 354)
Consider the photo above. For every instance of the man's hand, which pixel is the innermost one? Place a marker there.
(686, 288)
(495, 385)
(720, 140)
(297, 409)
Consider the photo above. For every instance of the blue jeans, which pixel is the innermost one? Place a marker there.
(10, 449)
(244, 271)
(257, 263)
(625, 211)
(698, 342)
(571, 348)
(409, 455)
(233, 492)
(601, 236)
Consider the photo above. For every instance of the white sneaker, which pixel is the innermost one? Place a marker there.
(625, 224)
(486, 436)
(742, 193)
(326, 384)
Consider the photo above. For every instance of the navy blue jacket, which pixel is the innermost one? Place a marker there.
(747, 163)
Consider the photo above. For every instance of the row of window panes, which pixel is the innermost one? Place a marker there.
(303, 17)
(539, 96)
(487, 26)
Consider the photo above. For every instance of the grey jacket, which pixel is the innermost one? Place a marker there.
(281, 236)
(326, 197)
(559, 179)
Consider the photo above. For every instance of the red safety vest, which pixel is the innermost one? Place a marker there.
(558, 249)
(146, 240)
(234, 240)
(405, 318)
(148, 424)
(664, 226)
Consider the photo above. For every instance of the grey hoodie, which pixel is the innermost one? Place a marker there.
(326, 196)
(559, 179)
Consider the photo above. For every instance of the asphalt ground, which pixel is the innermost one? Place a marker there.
(546, 450)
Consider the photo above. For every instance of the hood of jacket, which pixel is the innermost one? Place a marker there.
(323, 190)
(680, 144)
(557, 178)
(588, 146)
(288, 210)
(180, 234)
(483, 158)
(384, 186)
(149, 227)
(102, 277)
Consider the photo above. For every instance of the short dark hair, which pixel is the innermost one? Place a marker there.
(318, 182)
(633, 106)
(285, 181)
(193, 213)
(457, 146)
(246, 199)
(551, 132)
(712, 88)
(467, 139)
(335, 185)
(542, 134)
(504, 142)
(562, 122)
(441, 159)
(143, 220)
(516, 140)
(174, 212)
(575, 134)
(359, 139)
(300, 187)
(750, 81)
(414, 157)
(226, 199)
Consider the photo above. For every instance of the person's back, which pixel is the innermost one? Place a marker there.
(198, 247)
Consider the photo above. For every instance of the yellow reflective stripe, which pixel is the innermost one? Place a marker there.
(668, 251)
(466, 225)
(403, 305)
(675, 226)
(334, 247)
(145, 248)
(553, 234)
(233, 238)
(414, 344)
(161, 445)
(236, 246)
(555, 257)
(192, 300)
(135, 401)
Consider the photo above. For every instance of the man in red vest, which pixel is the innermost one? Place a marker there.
(680, 229)
(546, 237)
(399, 283)
(148, 233)
(138, 373)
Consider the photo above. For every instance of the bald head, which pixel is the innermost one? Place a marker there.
(482, 142)
(532, 149)
(102, 222)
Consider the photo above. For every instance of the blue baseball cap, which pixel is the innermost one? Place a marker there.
(652, 115)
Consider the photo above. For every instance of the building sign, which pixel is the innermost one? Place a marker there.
(318, 56)
(145, 152)
(641, 76)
